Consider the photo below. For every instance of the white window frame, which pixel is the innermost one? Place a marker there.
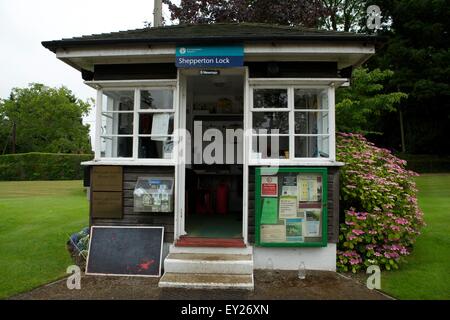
(136, 87)
(290, 85)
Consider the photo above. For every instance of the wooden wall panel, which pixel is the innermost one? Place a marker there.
(132, 218)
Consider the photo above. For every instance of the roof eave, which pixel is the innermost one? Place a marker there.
(54, 45)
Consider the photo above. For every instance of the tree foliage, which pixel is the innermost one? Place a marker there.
(360, 106)
(344, 15)
(417, 50)
(46, 120)
(285, 12)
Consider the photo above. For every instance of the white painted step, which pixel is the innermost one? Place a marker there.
(209, 263)
(206, 281)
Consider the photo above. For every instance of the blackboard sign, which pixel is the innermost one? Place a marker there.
(125, 251)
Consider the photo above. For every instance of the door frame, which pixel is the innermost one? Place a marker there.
(181, 152)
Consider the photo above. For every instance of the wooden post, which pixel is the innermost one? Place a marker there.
(157, 13)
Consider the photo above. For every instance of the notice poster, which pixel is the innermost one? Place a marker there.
(269, 186)
(312, 223)
(307, 188)
(294, 230)
(269, 211)
(273, 233)
(289, 187)
(160, 126)
(288, 207)
(289, 191)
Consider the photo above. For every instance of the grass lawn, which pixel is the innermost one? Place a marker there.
(426, 275)
(36, 219)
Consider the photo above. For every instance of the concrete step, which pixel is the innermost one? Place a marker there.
(208, 263)
(206, 281)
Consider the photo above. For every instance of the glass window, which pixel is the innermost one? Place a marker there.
(270, 147)
(271, 121)
(311, 122)
(118, 100)
(116, 147)
(114, 123)
(155, 139)
(310, 99)
(312, 147)
(156, 99)
(117, 123)
(156, 147)
(270, 98)
(155, 121)
(300, 120)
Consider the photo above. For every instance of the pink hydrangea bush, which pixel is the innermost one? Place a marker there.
(382, 217)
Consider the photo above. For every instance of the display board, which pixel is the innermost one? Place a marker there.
(125, 251)
(153, 194)
(291, 207)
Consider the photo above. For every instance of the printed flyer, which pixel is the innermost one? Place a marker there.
(269, 186)
(294, 230)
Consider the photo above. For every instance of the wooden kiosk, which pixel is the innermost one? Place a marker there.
(225, 135)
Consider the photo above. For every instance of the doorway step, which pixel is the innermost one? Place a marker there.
(187, 241)
(208, 268)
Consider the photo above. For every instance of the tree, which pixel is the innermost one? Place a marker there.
(286, 12)
(45, 119)
(417, 51)
(345, 15)
(360, 106)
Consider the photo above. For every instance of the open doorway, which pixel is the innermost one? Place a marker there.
(214, 191)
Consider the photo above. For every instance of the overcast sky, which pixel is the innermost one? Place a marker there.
(25, 23)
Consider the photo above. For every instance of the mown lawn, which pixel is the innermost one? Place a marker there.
(36, 219)
(427, 272)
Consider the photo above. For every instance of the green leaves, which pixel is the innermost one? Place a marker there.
(382, 217)
(358, 106)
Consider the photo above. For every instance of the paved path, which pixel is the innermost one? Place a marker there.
(268, 285)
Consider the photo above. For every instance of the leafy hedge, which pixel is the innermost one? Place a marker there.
(382, 217)
(42, 166)
(427, 163)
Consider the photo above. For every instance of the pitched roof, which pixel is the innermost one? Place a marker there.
(210, 33)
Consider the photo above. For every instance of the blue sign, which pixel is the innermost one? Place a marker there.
(209, 56)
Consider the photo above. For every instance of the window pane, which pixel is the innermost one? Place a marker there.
(312, 147)
(275, 147)
(271, 120)
(156, 147)
(311, 122)
(117, 147)
(117, 123)
(270, 98)
(311, 99)
(156, 99)
(118, 100)
(156, 123)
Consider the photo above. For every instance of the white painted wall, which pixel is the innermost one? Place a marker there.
(289, 258)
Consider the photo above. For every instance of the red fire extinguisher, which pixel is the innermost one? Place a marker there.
(222, 198)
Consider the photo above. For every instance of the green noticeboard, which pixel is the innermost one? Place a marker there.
(291, 207)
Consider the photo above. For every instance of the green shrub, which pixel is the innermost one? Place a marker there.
(42, 166)
(424, 163)
(382, 217)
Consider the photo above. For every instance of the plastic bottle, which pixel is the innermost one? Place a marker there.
(301, 271)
